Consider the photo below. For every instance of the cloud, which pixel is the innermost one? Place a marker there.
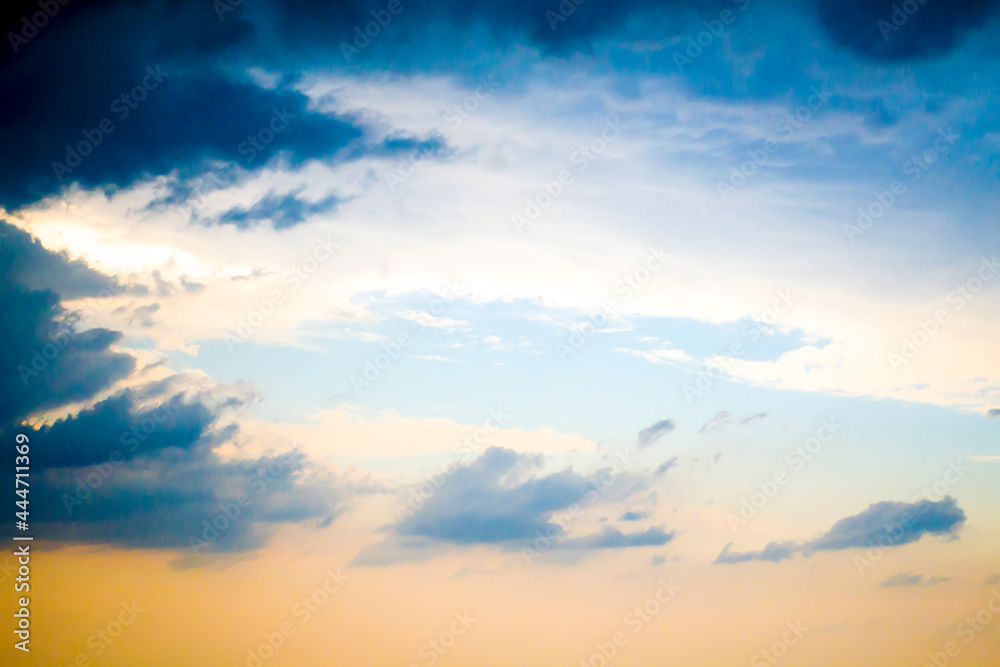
(634, 516)
(479, 503)
(870, 28)
(664, 357)
(884, 524)
(717, 422)
(667, 465)
(283, 211)
(910, 579)
(171, 501)
(557, 32)
(496, 499)
(163, 287)
(45, 361)
(648, 436)
(133, 92)
(899, 522)
(724, 418)
(134, 430)
(993, 412)
(612, 538)
(753, 418)
(144, 314)
(774, 552)
(29, 267)
(203, 104)
(140, 469)
(194, 118)
(137, 468)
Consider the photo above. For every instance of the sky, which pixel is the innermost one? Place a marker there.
(576, 333)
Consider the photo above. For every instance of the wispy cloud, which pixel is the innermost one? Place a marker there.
(648, 436)
(910, 579)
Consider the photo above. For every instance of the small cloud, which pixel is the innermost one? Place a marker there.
(666, 465)
(724, 419)
(903, 579)
(466, 571)
(144, 314)
(634, 516)
(660, 560)
(992, 580)
(715, 423)
(910, 579)
(497, 343)
(650, 435)
(432, 357)
(993, 412)
(774, 552)
(612, 538)
(662, 357)
(191, 286)
(428, 320)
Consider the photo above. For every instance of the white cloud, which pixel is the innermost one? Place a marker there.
(661, 356)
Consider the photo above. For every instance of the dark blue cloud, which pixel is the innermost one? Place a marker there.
(884, 524)
(560, 28)
(189, 120)
(44, 360)
(28, 266)
(902, 30)
(124, 92)
(174, 499)
(139, 470)
(283, 211)
(134, 430)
